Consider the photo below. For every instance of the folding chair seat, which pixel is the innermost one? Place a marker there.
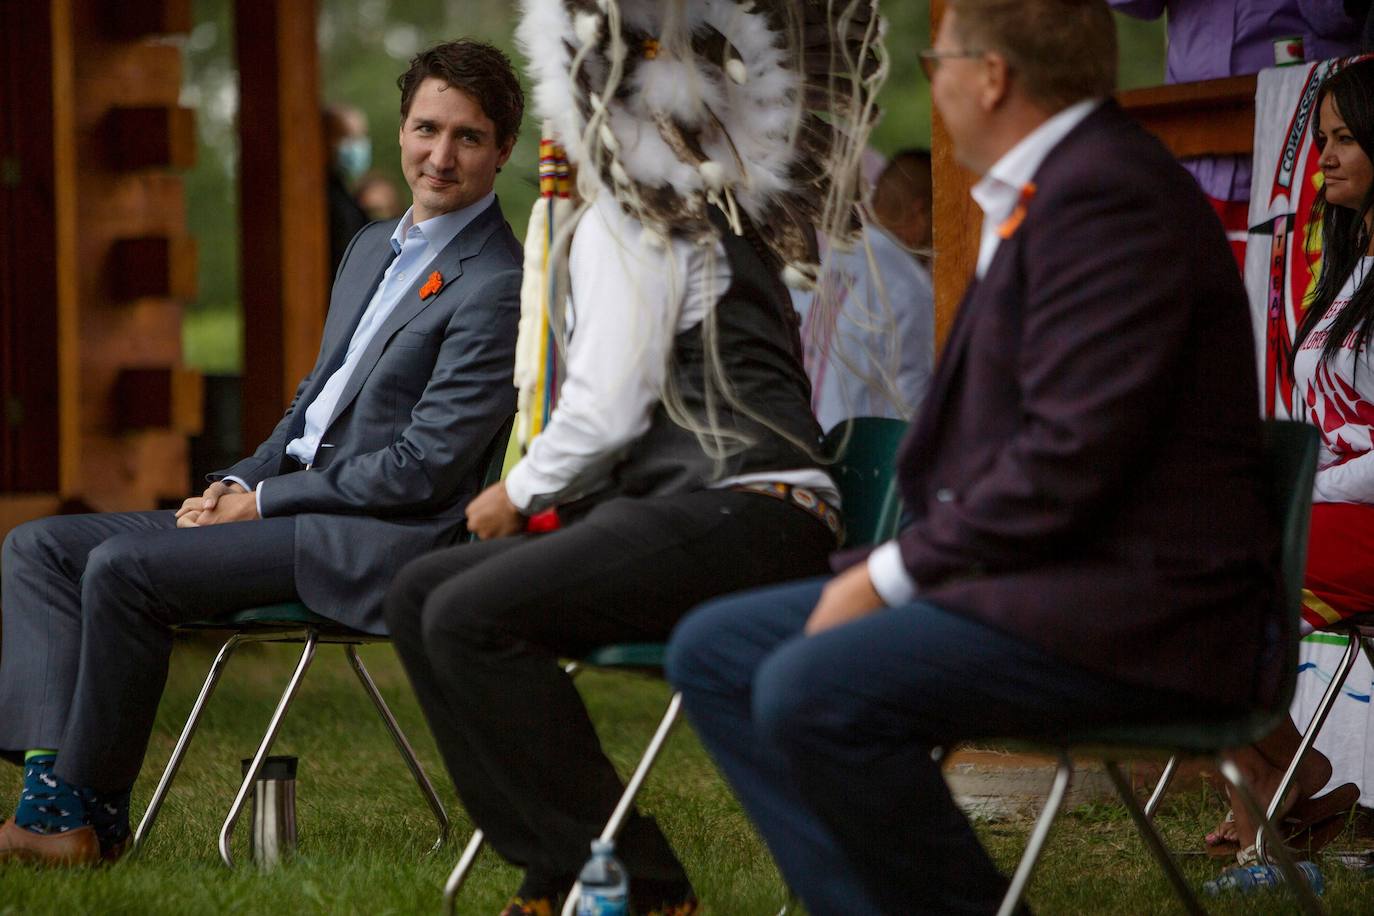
(1290, 459)
(293, 622)
(865, 475)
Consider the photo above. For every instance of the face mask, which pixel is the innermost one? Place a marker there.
(354, 156)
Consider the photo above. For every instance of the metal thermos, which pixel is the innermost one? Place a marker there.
(274, 810)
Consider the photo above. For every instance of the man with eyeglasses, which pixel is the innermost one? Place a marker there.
(1086, 541)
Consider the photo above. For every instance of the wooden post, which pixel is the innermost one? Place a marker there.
(284, 239)
(957, 219)
(96, 133)
(28, 293)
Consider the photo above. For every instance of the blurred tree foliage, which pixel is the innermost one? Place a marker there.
(366, 44)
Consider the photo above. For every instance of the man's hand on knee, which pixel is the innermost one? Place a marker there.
(193, 506)
(845, 598)
(492, 515)
(230, 507)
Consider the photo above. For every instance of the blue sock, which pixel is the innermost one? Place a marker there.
(108, 813)
(48, 804)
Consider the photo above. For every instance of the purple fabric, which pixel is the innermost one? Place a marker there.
(1212, 39)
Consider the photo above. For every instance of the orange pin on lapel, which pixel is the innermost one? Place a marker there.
(432, 285)
(1007, 228)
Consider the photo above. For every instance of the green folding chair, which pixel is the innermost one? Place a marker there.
(293, 622)
(864, 473)
(1290, 464)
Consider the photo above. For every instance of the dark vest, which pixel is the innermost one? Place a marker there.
(760, 348)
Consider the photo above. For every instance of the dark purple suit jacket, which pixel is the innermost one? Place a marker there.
(1085, 474)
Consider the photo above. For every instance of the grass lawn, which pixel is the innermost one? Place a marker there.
(365, 830)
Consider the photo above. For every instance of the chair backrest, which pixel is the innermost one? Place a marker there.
(865, 451)
(1290, 464)
(496, 452)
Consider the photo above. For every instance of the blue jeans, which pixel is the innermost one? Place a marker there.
(827, 739)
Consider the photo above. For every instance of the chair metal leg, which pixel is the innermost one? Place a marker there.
(1368, 646)
(1165, 778)
(1150, 834)
(627, 798)
(407, 752)
(188, 731)
(1021, 878)
(1309, 737)
(226, 832)
(1307, 899)
(460, 871)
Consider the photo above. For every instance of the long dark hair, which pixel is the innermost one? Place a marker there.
(1345, 237)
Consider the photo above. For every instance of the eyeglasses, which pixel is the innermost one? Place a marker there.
(930, 58)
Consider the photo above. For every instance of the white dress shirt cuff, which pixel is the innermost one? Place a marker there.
(889, 576)
(519, 490)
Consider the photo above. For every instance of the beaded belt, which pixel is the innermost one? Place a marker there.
(804, 498)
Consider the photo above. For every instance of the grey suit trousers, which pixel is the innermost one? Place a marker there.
(87, 603)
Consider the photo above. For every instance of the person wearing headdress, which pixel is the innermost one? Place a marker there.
(681, 455)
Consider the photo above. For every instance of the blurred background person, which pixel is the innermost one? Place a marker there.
(874, 359)
(350, 156)
(376, 194)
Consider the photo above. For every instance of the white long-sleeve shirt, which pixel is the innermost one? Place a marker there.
(629, 300)
(1337, 398)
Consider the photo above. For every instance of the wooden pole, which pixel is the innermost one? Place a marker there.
(957, 219)
(284, 239)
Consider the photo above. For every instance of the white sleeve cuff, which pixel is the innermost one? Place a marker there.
(238, 480)
(889, 576)
(518, 489)
(257, 497)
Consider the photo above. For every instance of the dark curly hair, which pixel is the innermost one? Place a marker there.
(477, 68)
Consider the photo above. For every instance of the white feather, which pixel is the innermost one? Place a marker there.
(587, 28)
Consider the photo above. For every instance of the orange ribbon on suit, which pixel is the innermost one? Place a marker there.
(1007, 228)
(432, 285)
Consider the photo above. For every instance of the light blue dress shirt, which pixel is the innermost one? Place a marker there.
(416, 246)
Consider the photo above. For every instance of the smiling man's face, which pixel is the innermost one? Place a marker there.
(449, 150)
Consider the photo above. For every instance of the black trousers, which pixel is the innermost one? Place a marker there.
(480, 627)
(88, 606)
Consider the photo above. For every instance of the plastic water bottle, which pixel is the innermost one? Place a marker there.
(1251, 878)
(605, 889)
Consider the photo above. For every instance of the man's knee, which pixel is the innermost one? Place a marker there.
(27, 543)
(456, 618)
(694, 656)
(794, 704)
(405, 598)
(113, 567)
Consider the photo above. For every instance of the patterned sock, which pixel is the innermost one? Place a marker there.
(47, 804)
(108, 813)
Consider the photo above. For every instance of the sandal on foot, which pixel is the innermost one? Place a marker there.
(1312, 811)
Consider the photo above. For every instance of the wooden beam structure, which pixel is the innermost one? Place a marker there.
(284, 239)
(95, 262)
(1216, 117)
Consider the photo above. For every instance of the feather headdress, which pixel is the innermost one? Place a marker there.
(760, 107)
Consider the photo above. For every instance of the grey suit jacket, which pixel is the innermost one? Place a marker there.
(403, 453)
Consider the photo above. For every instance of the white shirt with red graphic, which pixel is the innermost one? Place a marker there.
(1337, 397)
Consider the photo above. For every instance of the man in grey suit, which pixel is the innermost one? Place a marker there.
(372, 465)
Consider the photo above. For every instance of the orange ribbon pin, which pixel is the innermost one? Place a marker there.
(1008, 226)
(432, 285)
